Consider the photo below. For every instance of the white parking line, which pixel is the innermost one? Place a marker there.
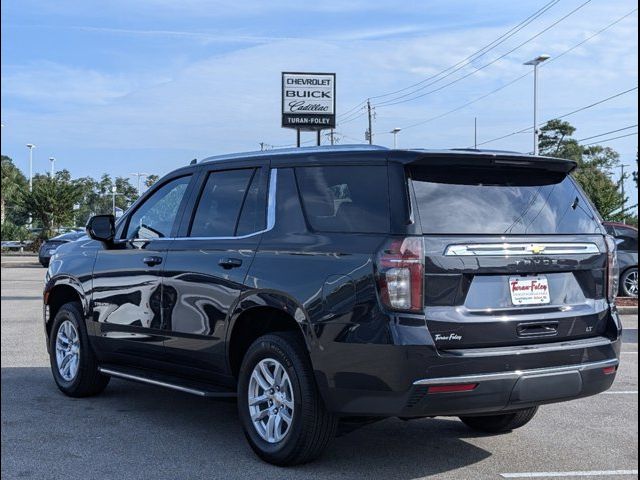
(622, 392)
(593, 473)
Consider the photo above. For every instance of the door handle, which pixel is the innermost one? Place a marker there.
(228, 263)
(153, 260)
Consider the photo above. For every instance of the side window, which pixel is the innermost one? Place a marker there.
(345, 198)
(156, 216)
(628, 238)
(220, 202)
(254, 211)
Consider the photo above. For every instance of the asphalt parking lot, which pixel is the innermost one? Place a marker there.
(135, 431)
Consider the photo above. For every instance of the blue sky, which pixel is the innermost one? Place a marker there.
(147, 85)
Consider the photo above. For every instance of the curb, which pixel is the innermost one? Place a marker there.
(628, 310)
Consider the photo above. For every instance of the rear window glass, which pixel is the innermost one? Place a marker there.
(461, 200)
(345, 198)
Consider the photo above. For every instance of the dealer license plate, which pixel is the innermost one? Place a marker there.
(529, 290)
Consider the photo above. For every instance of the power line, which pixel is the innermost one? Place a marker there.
(352, 109)
(562, 116)
(397, 100)
(555, 57)
(596, 103)
(608, 133)
(610, 139)
(477, 54)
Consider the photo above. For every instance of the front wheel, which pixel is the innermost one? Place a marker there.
(280, 408)
(73, 362)
(500, 423)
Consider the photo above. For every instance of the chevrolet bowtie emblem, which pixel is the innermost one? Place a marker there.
(537, 249)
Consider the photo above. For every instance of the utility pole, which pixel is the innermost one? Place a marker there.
(623, 193)
(475, 133)
(331, 136)
(370, 132)
(30, 146)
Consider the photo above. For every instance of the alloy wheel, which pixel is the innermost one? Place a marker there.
(67, 350)
(271, 402)
(630, 282)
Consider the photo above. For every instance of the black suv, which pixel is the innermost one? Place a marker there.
(345, 284)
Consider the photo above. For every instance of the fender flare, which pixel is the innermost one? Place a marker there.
(68, 281)
(274, 299)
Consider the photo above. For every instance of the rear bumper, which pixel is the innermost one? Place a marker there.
(511, 390)
(394, 380)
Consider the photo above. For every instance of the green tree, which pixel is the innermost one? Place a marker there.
(595, 168)
(51, 202)
(97, 196)
(13, 183)
(150, 180)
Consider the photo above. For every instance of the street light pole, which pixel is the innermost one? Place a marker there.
(53, 166)
(30, 146)
(395, 132)
(535, 62)
(139, 175)
(114, 189)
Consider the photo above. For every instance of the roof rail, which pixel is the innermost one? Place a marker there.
(294, 151)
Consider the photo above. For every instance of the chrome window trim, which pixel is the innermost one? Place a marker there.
(271, 217)
(514, 375)
(519, 249)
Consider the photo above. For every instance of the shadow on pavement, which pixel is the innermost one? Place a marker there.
(139, 431)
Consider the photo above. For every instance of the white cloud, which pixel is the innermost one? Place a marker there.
(53, 86)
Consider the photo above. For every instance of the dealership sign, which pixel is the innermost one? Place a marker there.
(308, 100)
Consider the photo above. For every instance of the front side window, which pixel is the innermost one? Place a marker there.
(156, 216)
(350, 199)
(220, 203)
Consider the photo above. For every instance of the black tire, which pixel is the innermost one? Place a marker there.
(629, 282)
(500, 423)
(88, 380)
(312, 426)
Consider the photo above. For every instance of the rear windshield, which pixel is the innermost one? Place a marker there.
(465, 200)
(353, 199)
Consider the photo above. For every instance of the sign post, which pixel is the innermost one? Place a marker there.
(308, 102)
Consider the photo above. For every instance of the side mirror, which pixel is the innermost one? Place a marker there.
(102, 228)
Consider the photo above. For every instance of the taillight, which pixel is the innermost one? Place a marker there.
(613, 270)
(400, 274)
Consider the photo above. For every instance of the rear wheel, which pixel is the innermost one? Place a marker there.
(281, 411)
(500, 423)
(629, 282)
(73, 362)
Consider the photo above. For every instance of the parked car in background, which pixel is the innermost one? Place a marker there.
(49, 247)
(627, 239)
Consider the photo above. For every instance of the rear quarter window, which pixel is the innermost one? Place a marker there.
(350, 199)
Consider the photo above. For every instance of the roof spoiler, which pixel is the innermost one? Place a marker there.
(485, 159)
